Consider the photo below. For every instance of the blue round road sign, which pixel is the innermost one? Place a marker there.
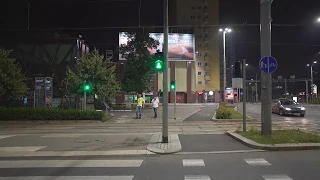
(268, 64)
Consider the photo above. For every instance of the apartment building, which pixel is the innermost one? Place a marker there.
(193, 78)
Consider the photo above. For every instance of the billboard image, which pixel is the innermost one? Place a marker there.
(180, 46)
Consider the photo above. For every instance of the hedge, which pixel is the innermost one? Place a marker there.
(45, 114)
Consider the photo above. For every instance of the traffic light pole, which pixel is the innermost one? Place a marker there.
(165, 76)
(175, 100)
(84, 98)
(266, 80)
(244, 84)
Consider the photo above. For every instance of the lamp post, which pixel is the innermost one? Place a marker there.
(224, 31)
(311, 72)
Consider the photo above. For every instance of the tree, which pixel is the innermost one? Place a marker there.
(94, 70)
(138, 70)
(12, 81)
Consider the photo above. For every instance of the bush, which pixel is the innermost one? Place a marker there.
(223, 113)
(44, 114)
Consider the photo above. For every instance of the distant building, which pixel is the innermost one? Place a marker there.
(45, 54)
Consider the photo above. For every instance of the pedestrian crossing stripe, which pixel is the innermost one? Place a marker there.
(21, 149)
(6, 136)
(193, 162)
(257, 162)
(70, 163)
(68, 178)
(197, 177)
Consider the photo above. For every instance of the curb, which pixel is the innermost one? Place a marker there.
(156, 146)
(273, 147)
(234, 120)
(215, 113)
(236, 109)
(50, 122)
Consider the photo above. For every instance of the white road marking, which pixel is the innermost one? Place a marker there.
(193, 162)
(68, 178)
(75, 153)
(70, 163)
(22, 148)
(197, 177)
(60, 136)
(219, 152)
(6, 136)
(257, 162)
(276, 177)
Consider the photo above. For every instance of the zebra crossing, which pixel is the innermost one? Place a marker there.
(125, 169)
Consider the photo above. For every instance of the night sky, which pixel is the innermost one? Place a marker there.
(295, 43)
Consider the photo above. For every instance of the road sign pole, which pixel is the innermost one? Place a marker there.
(256, 88)
(266, 81)
(165, 76)
(84, 97)
(175, 100)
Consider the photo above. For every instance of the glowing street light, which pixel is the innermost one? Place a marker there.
(226, 30)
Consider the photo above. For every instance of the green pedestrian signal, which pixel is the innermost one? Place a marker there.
(158, 65)
(173, 85)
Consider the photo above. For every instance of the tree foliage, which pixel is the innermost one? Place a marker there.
(138, 70)
(99, 73)
(12, 81)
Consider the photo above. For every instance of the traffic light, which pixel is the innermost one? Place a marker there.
(173, 85)
(87, 87)
(158, 65)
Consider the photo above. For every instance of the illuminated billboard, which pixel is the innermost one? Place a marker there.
(180, 46)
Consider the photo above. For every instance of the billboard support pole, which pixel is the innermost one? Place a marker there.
(165, 76)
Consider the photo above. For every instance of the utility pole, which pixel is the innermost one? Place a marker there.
(244, 83)
(266, 81)
(256, 88)
(165, 75)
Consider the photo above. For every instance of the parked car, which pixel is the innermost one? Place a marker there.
(288, 107)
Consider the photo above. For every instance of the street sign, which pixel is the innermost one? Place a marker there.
(268, 64)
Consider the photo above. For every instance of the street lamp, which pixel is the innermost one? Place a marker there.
(318, 20)
(224, 31)
(311, 71)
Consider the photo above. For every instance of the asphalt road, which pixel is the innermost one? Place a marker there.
(311, 121)
(294, 165)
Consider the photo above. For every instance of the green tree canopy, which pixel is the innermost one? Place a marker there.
(12, 81)
(139, 69)
(97, 72)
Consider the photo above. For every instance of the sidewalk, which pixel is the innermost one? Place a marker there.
(182, 113)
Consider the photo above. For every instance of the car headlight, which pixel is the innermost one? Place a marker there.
(303, 108)
(287, 109)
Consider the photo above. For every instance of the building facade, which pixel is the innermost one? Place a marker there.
(193, 78)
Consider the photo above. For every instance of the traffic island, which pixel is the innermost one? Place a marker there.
(156, 146)
(280, 140)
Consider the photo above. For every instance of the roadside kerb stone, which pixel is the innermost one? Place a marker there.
(156, 146)
(50, 121)
(273, 147)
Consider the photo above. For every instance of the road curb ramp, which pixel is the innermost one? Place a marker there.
(273, 147)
